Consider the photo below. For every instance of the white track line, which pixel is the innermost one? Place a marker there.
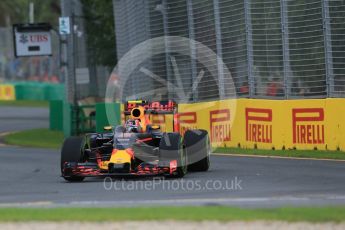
(201, 201)
(275, 157)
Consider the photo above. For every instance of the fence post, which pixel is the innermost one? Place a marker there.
(68, 48)
(286, 49)
(72, 122)
(249, 38)
(192, 46)
(167, 46)
(220, 66)
(328, 48)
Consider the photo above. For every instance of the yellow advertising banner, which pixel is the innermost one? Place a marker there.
(7, 92)
(269, 124)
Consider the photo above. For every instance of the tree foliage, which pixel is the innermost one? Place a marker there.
(17, 11)
(99, 21)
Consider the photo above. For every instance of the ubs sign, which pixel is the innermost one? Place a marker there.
(32, 39)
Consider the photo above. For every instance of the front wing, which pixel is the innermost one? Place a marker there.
(144, 169)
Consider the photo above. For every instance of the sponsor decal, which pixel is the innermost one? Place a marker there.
(7, 92)
(308, 126)
(185, 121)
(36, 38)
(220, 125)
(259, 125)
(156, 105)
(33, 38)
(23, 39)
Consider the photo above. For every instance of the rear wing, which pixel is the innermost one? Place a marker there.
(155, 107)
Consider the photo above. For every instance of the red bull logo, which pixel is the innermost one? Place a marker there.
(307, 125)
(156, 105)
(220, 125)
(259, 125)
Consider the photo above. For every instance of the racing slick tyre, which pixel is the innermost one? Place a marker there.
(73, 151)
(198, 149)
(171, 148)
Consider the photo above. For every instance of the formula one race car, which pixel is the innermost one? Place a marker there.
(138, 147)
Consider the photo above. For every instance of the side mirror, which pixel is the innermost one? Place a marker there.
(108, 128)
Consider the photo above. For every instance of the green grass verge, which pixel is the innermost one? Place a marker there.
(25, 103)
(320, 154)
(42, 138)
(312, 214)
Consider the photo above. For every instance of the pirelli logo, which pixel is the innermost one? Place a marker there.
(308, 126)
(259, 125)
(220, 125)
(186, 121)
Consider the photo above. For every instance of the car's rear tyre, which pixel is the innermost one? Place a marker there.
(171, 148)
(72, 151)
(198, 149)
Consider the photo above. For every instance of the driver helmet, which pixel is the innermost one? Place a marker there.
(133, 125)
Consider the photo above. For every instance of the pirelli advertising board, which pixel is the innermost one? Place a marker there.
(268, 124)
(7, 92)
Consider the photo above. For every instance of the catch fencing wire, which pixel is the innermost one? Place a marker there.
(82, 54)
(273, 49)
(336, 14)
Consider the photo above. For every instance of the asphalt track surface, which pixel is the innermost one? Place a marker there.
(31, 177)
(21, 118)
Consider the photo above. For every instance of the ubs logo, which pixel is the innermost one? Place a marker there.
(308, 126)
(259, 125)
(23, 38)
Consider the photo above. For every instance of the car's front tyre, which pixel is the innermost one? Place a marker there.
(72, 151)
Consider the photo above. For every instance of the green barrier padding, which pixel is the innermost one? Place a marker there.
(56, 115)
(54, 92)
(39, 91)
(30, 91)
(102, 119)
